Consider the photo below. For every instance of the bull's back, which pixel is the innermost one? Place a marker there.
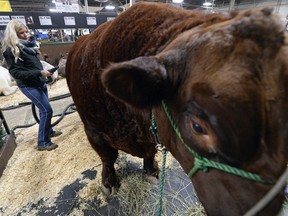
(143, 30)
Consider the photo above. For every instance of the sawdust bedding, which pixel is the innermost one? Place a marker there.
(58, 88)
(67, 180)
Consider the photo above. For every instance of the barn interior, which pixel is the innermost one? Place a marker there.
(70, 181)
(98, 5)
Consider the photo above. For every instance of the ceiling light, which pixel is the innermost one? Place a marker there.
(110, 7)
(177, 1)
(207, 4)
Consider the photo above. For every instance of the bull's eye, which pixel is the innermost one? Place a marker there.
(197, 128)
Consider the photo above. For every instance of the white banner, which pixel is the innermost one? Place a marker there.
(45, 20)
(20, 18)
(69, 20)
(91, 21)
(68, 6)
(4, 20)
(110, 18)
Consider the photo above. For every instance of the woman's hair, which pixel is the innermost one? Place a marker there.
(11, 38)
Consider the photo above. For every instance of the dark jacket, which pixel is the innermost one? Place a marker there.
(27, 70)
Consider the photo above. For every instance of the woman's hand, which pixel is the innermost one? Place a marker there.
(46, 73)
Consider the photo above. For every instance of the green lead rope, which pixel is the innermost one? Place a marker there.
(202, 163)
(164, 153)
(154, 131)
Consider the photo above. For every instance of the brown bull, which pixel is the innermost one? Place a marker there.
(217, 85)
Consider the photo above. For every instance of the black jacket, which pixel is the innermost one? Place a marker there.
(27, 70)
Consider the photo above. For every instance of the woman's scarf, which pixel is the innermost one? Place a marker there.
(29, 46)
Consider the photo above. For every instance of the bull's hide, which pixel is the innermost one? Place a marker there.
(217, 84)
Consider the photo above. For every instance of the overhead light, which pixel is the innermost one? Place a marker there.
(52, 10)
(207, 4)
(177, 1)
(110, 7)
(53, 1)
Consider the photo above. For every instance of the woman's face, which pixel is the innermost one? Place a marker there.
(23, 34)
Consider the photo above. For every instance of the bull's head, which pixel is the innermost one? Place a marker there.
(226, 89)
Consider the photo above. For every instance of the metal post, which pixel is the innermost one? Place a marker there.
(232, 4)
(86, 6)
(2, 119)
(61, 35)
(279, 2)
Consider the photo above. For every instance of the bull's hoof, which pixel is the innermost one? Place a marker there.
(108, 191)
(153, 172)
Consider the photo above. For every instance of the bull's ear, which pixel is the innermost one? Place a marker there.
(141, 82)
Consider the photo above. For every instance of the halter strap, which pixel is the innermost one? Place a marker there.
(203, 163)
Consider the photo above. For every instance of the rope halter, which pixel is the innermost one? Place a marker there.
(203, 163)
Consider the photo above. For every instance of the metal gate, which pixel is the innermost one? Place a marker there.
(7, 143)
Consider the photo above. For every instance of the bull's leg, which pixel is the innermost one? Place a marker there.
(108, 157)
(109, 180)
(150, 166)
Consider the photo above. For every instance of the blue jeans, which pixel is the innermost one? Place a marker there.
(39, 96)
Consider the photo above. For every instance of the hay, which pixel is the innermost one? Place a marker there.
(67, 180)
(32, 175)
(138, 196)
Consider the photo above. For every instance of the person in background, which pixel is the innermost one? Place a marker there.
(22, 57)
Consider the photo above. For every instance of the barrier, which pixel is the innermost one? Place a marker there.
(8, 143)
(7, 135)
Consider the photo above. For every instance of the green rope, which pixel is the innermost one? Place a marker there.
(153, 127)
(154, 131)
(202, 163)
(162, 177)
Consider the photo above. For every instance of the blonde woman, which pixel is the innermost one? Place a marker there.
(21, 55)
